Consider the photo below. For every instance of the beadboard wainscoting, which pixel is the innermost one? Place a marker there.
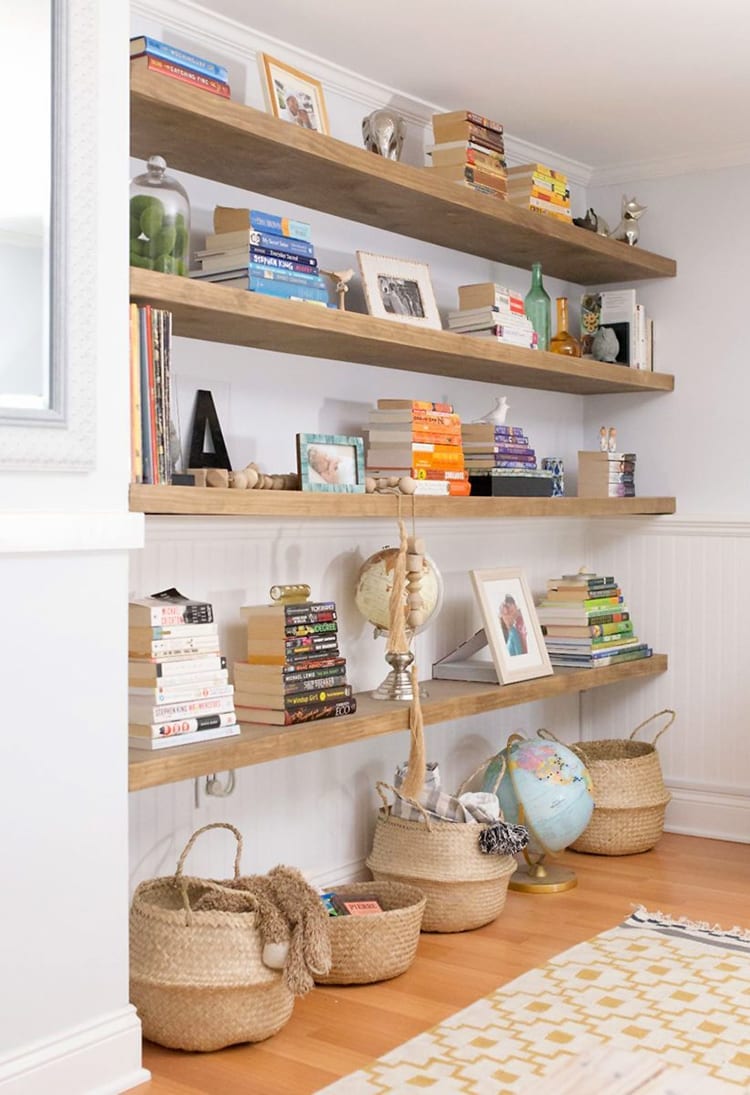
(685, 582)
(316, 811)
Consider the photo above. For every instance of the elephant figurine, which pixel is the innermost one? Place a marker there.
(383, 132)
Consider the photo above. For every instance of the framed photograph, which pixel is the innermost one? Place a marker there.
(511, 625)
(330, 462)
(292, 95)
(398, 289)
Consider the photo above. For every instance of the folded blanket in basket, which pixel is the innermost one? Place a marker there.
(436, 802)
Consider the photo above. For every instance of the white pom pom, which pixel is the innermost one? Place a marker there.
(275, 955)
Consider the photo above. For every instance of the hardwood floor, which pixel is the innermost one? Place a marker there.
(334, 1031)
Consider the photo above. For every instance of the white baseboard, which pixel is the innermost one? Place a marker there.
(708, 812)
(102, 1058)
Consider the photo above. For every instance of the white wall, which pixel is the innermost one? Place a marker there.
(64, 536)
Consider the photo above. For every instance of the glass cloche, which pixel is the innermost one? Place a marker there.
(159, 221)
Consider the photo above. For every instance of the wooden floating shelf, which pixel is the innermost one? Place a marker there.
(235, 316)
(231, 143)
(202, 501)
(446, 700)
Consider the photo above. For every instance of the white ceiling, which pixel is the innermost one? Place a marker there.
(600, 81)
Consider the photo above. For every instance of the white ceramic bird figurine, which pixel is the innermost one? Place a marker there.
(498, 413)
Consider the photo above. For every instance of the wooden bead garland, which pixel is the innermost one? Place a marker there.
(416, 614)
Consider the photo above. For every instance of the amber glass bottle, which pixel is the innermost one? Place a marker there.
(563, 342)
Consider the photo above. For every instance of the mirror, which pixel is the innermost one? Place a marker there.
(30, 385)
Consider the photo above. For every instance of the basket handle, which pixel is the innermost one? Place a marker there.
(667, 711)
(204, 829)
(482, 766)
(183, 882)
(412, 802)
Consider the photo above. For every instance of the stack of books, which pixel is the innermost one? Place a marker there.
(487, 310)
(264, 253)
(154, 56)
(469, 149)
(177, 677)
(420, 439)
(294, 670)
(606, 474)
(538, 188)
(586, 624)
(500, 461)
(151, 419)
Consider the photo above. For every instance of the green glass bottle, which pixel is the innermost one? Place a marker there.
(538, 307)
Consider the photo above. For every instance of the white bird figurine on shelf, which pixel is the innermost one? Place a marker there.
(498, 413)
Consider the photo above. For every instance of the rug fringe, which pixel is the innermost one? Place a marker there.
(664, 920)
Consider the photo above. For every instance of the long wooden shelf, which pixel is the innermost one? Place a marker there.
(195, 501)
(218, 314)
(231, 143)
(446, 700)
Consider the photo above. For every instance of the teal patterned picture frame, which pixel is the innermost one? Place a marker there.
(331, 463)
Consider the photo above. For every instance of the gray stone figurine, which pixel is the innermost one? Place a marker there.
(606, 345)
(383, 132)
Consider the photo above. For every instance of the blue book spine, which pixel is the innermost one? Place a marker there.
(281, 243)
(286, 290)
(286, 259)
(313, 281)
(260, 258)
(279, 226)
(148, 463)
(178, 57)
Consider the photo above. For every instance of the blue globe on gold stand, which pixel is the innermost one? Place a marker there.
(547, 788)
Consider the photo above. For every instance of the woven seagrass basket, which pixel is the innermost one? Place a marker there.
(629, 793)
(464, 887)
(379, 946)
(196, 976)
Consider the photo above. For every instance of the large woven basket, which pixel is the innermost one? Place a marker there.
(629, 793)
(464, 887)
(379, 946)
(196, 977)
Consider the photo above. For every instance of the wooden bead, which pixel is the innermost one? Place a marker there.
(414, 563)
(199, 474)
(277, 482)
(392, 481)
(217, 477)
(369, 485)
(381, 485)
(414, 600)
(407, 485)
(415, 619)
(267, 482)
(251, 476)
(238, 480)
(415, 544)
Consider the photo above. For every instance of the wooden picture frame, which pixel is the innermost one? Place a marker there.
(398, 289)
(292, 95)
(331, 462)
(513, 633)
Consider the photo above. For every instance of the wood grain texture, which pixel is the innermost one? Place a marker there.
(236, 144)
(215, 313)
(336, 1030)
(303, 504)
(446, 700)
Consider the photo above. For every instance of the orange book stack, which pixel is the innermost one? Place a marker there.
(420, 439)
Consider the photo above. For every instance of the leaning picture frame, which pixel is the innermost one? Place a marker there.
(511, 626)
(331, 462)
(398, 289)
(292, 95)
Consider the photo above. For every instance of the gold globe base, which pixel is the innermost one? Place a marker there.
(542, 878)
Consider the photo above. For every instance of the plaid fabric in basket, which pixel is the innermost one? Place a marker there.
(436, 802)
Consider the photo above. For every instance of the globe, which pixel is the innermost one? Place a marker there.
(545, 787)
(375, 582)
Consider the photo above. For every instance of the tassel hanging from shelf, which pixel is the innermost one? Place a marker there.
(398, 642)
(417, 766)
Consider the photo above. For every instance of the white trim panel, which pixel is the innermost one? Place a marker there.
(96, 1058)
(703, 811)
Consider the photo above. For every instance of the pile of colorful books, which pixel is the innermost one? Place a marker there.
(165, 60)
(263, 253)
(541, 189)
(487, 310)
(151, 429)
(469, 150)
(606, 474)
(500, 461)
(294, 670)
(178, 683)
(586, 624)
(420, 439)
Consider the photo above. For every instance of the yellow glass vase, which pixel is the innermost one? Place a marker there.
(563, 342)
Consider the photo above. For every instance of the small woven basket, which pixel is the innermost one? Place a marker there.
(379, 946)
(464, 887)
(629, 793)
(196, 976)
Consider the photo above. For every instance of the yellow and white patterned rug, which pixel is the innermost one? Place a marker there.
(675, 990)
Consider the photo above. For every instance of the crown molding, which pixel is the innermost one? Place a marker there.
(234, 39)
(691, 163)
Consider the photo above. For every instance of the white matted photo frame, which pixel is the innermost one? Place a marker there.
(292, 95)
(510, 623)
(398, 289)
(331, 462)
